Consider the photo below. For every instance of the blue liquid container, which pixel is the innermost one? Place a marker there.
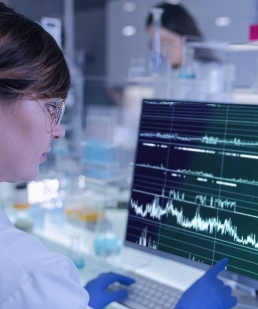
(107, 244)
(78, 261)
(99, 152)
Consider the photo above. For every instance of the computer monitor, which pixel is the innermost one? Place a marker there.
(194, 196)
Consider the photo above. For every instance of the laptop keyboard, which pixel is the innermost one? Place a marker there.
(148, 294)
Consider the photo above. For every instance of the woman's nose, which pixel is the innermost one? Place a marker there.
(58, 131)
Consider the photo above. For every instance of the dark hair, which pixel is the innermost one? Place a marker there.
(31, 61)
(177, 19)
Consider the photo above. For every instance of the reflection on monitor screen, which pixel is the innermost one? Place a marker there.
(195, 188)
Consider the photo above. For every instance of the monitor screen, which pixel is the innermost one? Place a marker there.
(194, 194)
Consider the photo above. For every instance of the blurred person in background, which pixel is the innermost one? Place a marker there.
(176, 25)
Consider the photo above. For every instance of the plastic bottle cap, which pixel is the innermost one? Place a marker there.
(156, 13)
(253, 32)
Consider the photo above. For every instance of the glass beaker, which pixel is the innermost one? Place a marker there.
(75, 253)
(106, 242)
(155, 61)
(187, 68)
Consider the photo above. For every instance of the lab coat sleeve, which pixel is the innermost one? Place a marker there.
(34, 277)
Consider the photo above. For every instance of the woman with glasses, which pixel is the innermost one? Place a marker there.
(34, 82)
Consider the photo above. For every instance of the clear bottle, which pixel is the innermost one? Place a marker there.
(156, 60)
(56, 212)
(187, 68)
(21, 205)
(75, 253)
(106, 242)
(37, 212)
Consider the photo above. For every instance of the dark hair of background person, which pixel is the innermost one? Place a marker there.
(31, 61)
(177, 19)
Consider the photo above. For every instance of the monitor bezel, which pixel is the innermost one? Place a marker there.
(233, 276)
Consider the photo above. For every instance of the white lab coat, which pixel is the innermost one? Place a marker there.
(33, 277)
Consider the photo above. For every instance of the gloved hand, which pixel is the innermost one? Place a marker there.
(96, 288)
(208, 292)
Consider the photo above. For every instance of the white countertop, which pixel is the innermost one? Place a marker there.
(169, 272)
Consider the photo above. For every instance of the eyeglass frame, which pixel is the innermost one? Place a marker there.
(57, 119)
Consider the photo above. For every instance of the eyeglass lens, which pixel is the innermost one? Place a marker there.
(54, 113)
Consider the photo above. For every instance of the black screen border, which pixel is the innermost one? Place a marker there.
(233, 276)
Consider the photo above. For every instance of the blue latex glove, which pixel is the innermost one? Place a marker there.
(96, 288)
(208, 292)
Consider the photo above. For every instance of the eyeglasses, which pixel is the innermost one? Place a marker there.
(53, 111)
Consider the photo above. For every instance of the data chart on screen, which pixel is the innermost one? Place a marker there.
(195, 184)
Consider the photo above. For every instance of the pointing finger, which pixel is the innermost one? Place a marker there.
(217, 268)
